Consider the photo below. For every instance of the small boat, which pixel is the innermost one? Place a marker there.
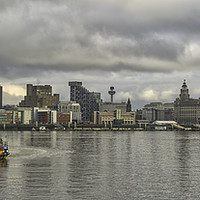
(42, 128)
(3, 149)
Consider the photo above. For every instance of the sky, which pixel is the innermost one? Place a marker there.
(144, 48)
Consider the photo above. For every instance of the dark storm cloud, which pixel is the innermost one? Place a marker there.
(121, 41)
(81, 35)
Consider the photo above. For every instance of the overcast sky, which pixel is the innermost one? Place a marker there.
(144, 48)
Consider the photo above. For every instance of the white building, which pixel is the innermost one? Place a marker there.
(44, 116)
(26, 114)
(70, 107)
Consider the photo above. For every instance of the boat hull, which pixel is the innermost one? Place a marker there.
(3, 152)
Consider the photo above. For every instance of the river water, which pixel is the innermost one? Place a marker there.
(101, 165)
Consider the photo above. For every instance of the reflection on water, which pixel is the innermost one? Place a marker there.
(3, 163)
(101, 165)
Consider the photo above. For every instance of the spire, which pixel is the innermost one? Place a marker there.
(128, 105)
(184, 95)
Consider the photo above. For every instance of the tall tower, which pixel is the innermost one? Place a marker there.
(111, 93)
(1, 96)
(186, 109)
(184, 95)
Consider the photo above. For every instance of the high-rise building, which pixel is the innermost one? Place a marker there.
(39, 96)
(1, 97)
(186, 109)
(89, 101)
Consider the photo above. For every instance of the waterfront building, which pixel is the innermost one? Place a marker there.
(186, 109)
(89, 101)
(8, 116)
(114, 113)
(25, 115)
(116, 117)
(168, 111)
(1, 97)
(138, 114)
(39, 96)
(64, 118)
(158, 111)
(44, 116)
(67, 107)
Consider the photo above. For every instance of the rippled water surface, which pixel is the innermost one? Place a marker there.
(101, 165)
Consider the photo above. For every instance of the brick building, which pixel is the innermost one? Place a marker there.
(39, 96)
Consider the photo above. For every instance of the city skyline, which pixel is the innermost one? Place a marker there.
(99, 92)
(139, 47)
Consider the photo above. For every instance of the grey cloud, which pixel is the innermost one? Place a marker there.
(161, 49)
(98, 38)
(62, 35)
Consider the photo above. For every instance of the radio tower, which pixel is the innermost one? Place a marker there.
(111, 92)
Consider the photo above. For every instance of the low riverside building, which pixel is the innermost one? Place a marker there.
(138, 114)
(16, 115)
(166, 125)
(64, 118)
(186, 109)
(116, 117)
(8, 116)
(70, 108)
(25, 115)
(34, 116)
(44, 116)
(164, 122)
(48, 116)
(158, 111)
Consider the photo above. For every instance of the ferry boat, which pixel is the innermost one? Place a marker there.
(3, 150)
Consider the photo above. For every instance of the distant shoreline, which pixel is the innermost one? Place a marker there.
(22, 127)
